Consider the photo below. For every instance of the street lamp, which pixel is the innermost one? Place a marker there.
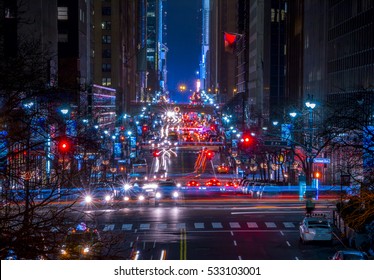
(310, 105)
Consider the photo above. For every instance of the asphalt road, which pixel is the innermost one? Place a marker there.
(213, 230)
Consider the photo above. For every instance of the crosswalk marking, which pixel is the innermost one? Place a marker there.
(126, 226)
(181, 225)
(270, 225)
(145, 226)
(162, 226)
(252, 225)
(288, 225)
(234, 225)
(199, 225)
(108, 227)
(217, 225)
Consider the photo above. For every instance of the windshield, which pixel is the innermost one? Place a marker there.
(318, 224)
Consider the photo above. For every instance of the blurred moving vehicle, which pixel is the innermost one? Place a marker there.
(232, 186)
(213, 183)
(193, 183)
(315, 227)
(223, 169)
(100, 195)
(167, 190)
(350, 255)
(81, 242)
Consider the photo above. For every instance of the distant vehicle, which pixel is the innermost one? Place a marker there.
(139, 168)
(81, 242)
(350, 255)
(100, 194)
(167, 189)
(193, 183)
(223, 169)
(213, 183)
(315, 228)
(173, 138)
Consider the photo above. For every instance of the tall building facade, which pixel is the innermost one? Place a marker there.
(115, 49)
(221, 77)
(152, 35)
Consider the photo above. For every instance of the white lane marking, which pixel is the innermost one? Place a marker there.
(281, 232)
(199, 225)
(131, 243)
(235, 244)
(154, 244)
(217, 225)
(288, 243)
(145, 226)
(234, 225)
(252, 225)
(232, 233)
(108, 227)
(296, 258)
(270, 225)
(288, 225)
(126, 226)
(239, 257)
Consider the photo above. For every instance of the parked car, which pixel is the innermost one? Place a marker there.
(350, 255)
(315, 228)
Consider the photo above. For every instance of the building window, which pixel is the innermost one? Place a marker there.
(107, 39)
(106, 11)
(107, 53)
(62, 13)
(106, 67)
(106, 25)
(62, 37)
(81, 15)
(106, 81)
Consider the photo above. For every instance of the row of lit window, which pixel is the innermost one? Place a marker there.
(276, 13)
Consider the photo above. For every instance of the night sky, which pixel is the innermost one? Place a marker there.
(183, 40)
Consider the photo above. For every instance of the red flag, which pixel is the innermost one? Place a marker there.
(230, 42)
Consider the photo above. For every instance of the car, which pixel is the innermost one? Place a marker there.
(139, 190)
(315, 227)
(232, 186)
(167, 189)
(213, 183)
(99, 196)
(223, 169)
(81, 242)
(350, 255)
(193, 183)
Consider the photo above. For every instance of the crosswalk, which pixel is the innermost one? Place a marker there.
(202, 226)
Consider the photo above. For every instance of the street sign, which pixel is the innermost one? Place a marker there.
(275, 143)
(321, 160)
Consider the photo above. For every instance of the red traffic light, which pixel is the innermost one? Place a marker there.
(209, 155)
(145, 128)
(64, 146)
(156, 153)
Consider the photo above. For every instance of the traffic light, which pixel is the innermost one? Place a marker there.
(145, 128)
(64, 146)
(317, 175)
(209, 155)
(247, 140)
(122, 138)
(156, 153)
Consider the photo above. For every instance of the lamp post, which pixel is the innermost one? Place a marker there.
(310, 105)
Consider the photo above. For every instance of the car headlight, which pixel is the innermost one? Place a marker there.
(158, 195)
(86, 250)
(63, 252)
(175, 194)
(141, 197)
(88, 199)
(107, 198)
(127, 187)
(126, 198)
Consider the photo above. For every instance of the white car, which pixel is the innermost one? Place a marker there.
(315, 228)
